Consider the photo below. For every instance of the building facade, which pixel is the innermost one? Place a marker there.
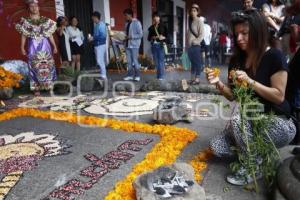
(173, 14)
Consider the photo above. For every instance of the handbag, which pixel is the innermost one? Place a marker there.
(185, 61)
(164, 45)
(165, 48)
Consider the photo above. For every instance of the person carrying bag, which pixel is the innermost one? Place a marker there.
(164, 44)
(157, 36)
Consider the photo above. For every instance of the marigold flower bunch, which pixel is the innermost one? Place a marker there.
(216, 71)
(9, 79)
(236, 81)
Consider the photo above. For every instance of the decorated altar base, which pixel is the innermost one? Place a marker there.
(48, 155)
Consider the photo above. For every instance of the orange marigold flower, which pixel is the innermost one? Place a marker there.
(9, 79)
(241, 83)
(216, 71)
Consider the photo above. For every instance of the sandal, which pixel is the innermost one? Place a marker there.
(195, 82)
(190, 81)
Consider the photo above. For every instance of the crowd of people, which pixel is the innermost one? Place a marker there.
(70, 41)
(36, 28)
(200, 40)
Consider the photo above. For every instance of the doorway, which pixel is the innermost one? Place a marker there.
(165, 9)
(82, 10)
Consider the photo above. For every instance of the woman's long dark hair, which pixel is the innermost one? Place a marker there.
(59, 20)
(257, 42)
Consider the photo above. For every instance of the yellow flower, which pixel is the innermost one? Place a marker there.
(216, 71)
(241, 83)
(199, 163)
(9, 79)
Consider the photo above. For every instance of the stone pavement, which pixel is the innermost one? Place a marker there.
(52, 172)
(171, 77)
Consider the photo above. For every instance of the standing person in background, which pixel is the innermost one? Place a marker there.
(248, 4)
(76, 42)
(293, 13)
(134, 35)
(63, 41)
(157, 36)
(205, 45)
(228, 43)
(293, 87)
(38, 31)
(222, 43)
(195, 36)
(273, 10)
(99, 39)
(216, 48)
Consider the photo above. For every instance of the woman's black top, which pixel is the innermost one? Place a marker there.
(272, 62)
(161, 29)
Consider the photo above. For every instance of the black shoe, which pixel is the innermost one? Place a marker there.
(195, 82)
(296, 151)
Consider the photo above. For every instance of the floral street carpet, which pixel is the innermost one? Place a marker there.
(58, 155)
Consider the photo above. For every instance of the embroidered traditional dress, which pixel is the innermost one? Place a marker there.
(40, 59)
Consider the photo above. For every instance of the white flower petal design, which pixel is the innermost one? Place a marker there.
(123, 106)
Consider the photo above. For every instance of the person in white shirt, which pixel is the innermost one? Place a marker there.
(273, 10)
(205, 44)
(248, 4)
(76, 42)
(228, 44)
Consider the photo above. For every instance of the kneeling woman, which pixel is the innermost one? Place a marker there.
(266, 70)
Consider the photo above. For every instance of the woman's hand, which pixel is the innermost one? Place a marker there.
(23, 51)
(161, 37)
(243, 76)
(154, 38)
(211, 77)
(55, 50)
(23, 42)
(90, 38)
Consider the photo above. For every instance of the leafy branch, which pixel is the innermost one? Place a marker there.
(258, 155)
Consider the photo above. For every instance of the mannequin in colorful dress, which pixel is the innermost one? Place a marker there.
(37, 32)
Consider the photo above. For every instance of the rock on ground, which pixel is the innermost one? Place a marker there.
(195, 192)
